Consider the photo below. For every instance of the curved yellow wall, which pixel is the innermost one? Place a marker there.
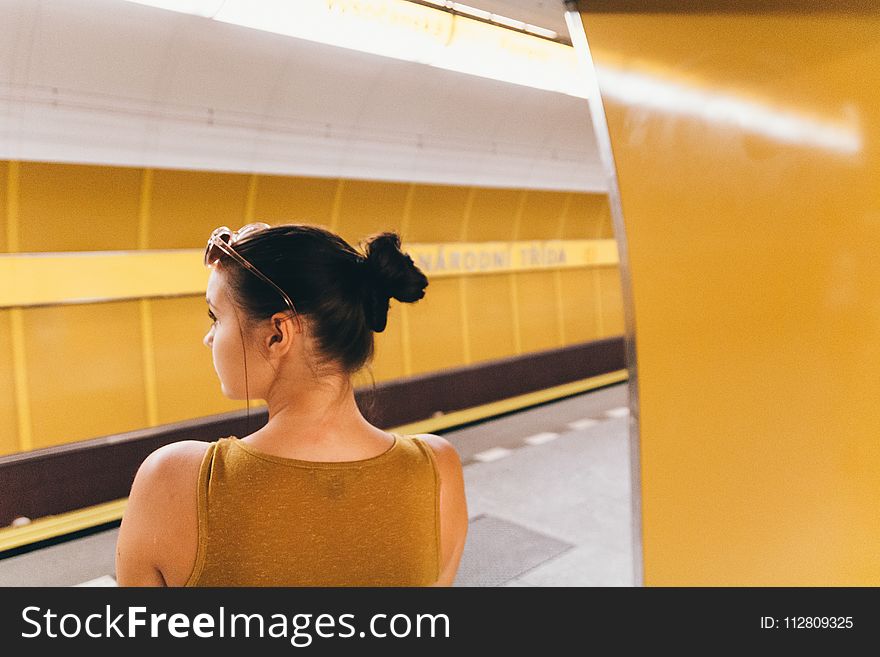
(70, 372)
(747, 147)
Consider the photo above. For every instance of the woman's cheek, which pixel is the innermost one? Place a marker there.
(222, 354)
(216, 345)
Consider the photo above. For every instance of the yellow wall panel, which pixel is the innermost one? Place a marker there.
(538, 316)
(587, 217)
(187, 385)
(489, 317)
(9, 440)
(388, 358)
(493, 214)
(4, 219)
(368, 207)
(286, 199)
(435, 325)
(85, 371)
(606, 227)
(186, 206)
(436, 213)
(751, 206)
(542, 215)
(71, 207)
(580, 310)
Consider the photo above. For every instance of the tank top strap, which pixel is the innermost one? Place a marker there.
(203, 483)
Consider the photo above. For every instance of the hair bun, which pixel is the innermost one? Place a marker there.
(390, 274)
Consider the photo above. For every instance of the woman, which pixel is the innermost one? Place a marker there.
(318, 496)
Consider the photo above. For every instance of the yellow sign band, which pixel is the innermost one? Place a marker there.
(37, 279)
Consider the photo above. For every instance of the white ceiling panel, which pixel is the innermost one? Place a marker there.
(111, 82)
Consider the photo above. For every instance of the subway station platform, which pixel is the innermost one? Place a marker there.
(549, 502)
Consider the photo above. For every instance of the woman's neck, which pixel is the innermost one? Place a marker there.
(319, 413)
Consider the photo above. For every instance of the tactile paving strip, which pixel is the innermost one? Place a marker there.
(497, 551)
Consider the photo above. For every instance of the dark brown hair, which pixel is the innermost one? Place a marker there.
(344, 294)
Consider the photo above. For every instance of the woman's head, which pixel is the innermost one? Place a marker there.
(341, 298)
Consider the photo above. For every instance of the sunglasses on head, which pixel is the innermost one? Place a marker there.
(223, 239)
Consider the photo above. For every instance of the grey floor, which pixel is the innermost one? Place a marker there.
(549, 502)
(570, 497)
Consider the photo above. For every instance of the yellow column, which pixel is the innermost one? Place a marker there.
(407, 211)
(557, 275)
(462, 280)
(514, 292)
(597, 298)
(251, 200)
(19, 354)
(337, 203)
(12, 238)
(249, 212)
(146, 308)
(597, 285)
(406, 339)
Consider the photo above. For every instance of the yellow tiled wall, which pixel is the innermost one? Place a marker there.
(436, 329)
(185, 206)
(73, 372)
(84, 371)
(365, 207)
(67, 207)
(538, 314)
(436, 213)
(279, 198)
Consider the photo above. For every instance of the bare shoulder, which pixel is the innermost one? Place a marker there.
(169, 467)
(175, 459)
(180, 450)
(165, 478)
(158, 535)
(445, 453)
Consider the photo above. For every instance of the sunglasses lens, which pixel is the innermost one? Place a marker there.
(223, 236)
(212, 251)
(250, 228)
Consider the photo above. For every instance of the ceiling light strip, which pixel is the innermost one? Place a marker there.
(408, 30)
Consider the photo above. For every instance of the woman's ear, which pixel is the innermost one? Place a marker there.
(281, 333)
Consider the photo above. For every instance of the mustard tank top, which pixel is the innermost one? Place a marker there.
(265, 520)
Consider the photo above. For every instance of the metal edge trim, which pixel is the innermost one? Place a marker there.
(603, 139)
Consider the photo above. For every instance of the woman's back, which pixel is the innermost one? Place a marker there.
(268, 520)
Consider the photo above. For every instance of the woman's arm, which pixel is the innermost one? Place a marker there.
(140, 538)
(158, 538)
(453, 507)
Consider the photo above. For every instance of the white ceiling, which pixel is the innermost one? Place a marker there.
(106, 81)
